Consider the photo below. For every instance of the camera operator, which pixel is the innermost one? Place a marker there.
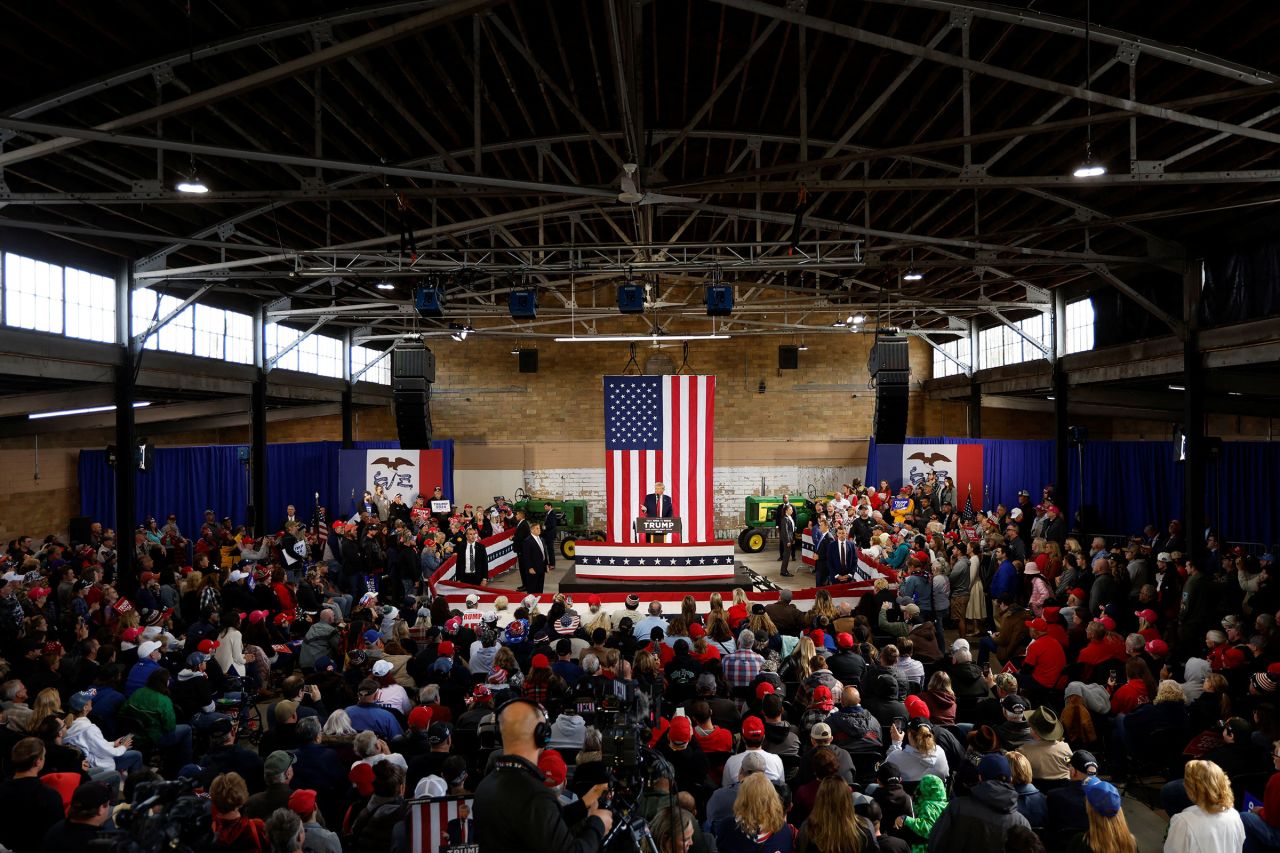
(515, 810)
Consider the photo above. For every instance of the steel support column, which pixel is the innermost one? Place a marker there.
(1193, 416)
(347, 441)
(975, 410)
(1061, 441)
(126, 475)
(258, 454)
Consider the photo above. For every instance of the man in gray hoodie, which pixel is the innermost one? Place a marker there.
(979, 823)
(322, 639)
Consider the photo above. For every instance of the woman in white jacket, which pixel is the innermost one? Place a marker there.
(101, 753)
(230, 651)
(921, 756)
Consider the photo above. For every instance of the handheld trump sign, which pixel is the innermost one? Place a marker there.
(440, 506)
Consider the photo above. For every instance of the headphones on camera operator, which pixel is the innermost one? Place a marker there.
(541, 732)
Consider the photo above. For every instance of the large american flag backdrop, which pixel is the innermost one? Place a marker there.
(660, 429)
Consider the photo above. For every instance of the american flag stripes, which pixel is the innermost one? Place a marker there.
(429, 821)
(321, 527)
(660, 429)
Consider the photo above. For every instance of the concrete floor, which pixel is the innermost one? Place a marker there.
(1147, 825)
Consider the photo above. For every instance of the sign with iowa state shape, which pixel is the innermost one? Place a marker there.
(404, 472)
(961, 462)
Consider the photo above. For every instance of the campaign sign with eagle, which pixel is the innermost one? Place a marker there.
(404, 472)
(961, 462)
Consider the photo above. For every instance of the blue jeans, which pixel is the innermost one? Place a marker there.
(130, 762)
(342, 602)
(1258, 834)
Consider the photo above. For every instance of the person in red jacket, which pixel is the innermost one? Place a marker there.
(1045, 660)
(1262, 825)
(1137, 690)
(1057, 630)
(1098, 653)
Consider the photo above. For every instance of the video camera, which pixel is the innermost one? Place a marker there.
(183, 824)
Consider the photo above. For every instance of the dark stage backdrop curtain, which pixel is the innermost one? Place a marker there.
(189, 480)
(1129, 483)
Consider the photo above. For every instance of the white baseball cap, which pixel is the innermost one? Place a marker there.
(381, 668)
(236, 575)
(145, 650)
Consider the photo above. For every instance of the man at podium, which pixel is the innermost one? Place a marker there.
(657, 505)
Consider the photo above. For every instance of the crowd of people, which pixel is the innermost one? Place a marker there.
(997, 688)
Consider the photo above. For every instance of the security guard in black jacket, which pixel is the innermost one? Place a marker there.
(514, 809)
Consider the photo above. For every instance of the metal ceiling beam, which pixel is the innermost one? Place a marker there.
(1044, 350)
(1225, 176)
(294, 160)
(1101, 35)
(912, 49)
(254, 38)
(140, 340)
(1175, 325)
(265, 77)
(275, 359)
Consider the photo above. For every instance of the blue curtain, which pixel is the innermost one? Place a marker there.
(1007, 466)
(184, 481)
(189, 480)
(1131, 483)
(1247, 507)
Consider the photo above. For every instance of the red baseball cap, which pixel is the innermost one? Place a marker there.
(207, 646)
(1051, 614)
(819, 637)
(1078, 593)
(445, 648)
(257, 616)
(821, 693)
(1157, 648)
(302, 802)
(361, 775)
(1107, 622)
(763, 689)
(420, 717)
(844, 640)
(593, 600)
(753, 728)
(916, 707)
(1149, 615)
(130, 635)
(1037, 625)
(681, 730)
(553, 768)
(540, 662)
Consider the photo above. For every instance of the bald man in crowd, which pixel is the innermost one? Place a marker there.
(515, 810)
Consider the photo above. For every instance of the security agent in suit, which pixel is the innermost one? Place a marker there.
(535, 559)
(515, 811)
(842, 559)
(461, 829)
(550, 521)
(473, 560)
(784, 542)
(657, 504)
(518, 540)
(786, 532)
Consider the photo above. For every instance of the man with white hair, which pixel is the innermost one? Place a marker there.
(654, 620)
(721, 803)
(743, 664)
(1104, 585)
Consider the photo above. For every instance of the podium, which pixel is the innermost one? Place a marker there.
(658, 527)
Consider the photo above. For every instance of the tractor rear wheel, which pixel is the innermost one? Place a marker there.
(568, 547)
(597, 536)
(742, 538)
(755, 541)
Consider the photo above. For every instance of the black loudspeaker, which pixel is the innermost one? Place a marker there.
(788, 358)
(413, 418)
(79, 529)
(414, 364)
(891, 412)
(528, 361)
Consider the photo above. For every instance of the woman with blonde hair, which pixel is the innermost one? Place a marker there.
(689, 610)
(740, 609)
(715, 602)
(920, 756)
(1108, 832)
(48, 704)
(822, 606)
(796, 668)
(1212, 824)
(757, 818)
(832, 825)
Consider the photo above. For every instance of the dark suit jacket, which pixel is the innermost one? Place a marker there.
(472, 574)
(653, 508)
(534, 558)
(454, 828)
(831, 548)
(519, 539)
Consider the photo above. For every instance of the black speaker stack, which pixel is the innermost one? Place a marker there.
(413, 369)
(891, 370)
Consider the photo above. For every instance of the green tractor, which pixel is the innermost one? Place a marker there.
(759, 515)
(573, 519)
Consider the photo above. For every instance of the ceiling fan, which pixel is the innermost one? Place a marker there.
(632, 194)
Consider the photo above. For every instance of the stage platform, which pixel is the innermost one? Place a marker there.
(568, 581)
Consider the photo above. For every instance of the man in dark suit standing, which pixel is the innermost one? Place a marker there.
(549, 523)
(784, 542)
(461, 829)
(517, 542)
(842, 559)
(658, 505)
(473, 561)
(535, 559)
(786, 532)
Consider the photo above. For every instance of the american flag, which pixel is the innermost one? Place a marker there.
(321, 527)
(660, 429)
(968, 514)
(429, 821)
